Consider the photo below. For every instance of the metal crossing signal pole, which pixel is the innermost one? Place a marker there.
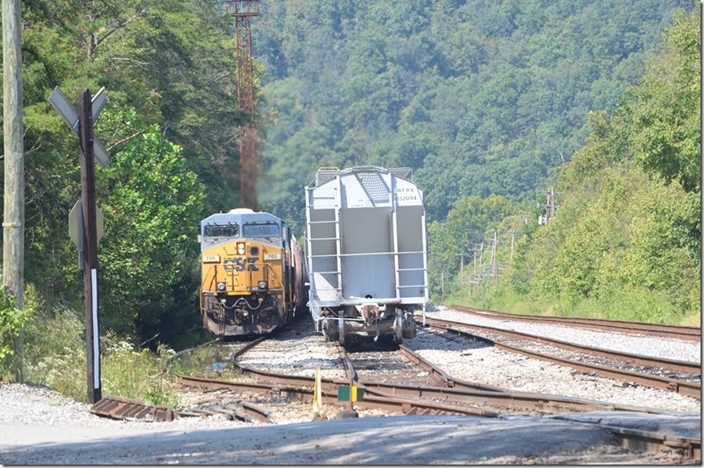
(85, 219)
(90, 267)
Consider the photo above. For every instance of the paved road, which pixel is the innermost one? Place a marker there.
(411, 440)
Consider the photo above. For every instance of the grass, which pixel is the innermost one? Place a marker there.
(55, 356)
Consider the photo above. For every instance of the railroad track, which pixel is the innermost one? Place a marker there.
(436, 385)
(652, 329)
(685, 387)
(449, 396)
(435, 393)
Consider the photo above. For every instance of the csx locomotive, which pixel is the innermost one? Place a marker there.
(253, 273)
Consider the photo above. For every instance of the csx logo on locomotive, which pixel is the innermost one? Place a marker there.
(239, 264)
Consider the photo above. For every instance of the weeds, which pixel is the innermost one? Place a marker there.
(12, 321)
(55, 356)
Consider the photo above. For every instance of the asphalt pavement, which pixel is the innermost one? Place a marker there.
(409, 440)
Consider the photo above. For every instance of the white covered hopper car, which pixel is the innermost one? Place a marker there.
(366, 245)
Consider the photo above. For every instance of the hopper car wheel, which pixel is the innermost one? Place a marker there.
(330, 334)
(399, 328)
(341, 325)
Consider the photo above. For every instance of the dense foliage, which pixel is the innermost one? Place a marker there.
(490, 103)
(626, 242)
(170, 126)
(478, 97)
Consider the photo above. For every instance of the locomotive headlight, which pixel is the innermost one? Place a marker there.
(240, 248)
(221, 286)
(262, 285)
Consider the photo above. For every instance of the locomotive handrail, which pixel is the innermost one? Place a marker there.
(269, 269)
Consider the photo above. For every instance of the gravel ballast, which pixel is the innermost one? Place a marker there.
(40, 426)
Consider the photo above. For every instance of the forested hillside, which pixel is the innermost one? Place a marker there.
(490, 102)
(478, 97)
(625, 241)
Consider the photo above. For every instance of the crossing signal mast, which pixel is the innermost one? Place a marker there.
(242, 11)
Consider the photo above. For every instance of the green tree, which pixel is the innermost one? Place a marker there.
(665, 107)
(152, 204)
(466, 226)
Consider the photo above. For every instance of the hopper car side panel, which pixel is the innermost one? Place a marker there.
(367, 255)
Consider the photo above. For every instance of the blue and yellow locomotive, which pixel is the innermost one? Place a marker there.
(253, 273)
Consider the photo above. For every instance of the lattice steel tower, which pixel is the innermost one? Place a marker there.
(242, 11)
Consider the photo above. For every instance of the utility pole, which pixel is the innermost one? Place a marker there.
(13, 130)
(90, 283)
(513, 239)
(442, 287)
(493, 261)
(461, 269)
(473, 275)
(481, 267)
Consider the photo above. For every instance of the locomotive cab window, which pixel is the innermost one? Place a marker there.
(268, 230)
(214, 232)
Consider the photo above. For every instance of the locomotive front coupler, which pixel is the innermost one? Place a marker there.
(240, 316)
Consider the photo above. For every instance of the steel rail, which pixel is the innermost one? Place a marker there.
(642, 441)
(457, 390)
(672, 331)
(628, 358)
(506, 399)
(429, 400)
(461, 385)
(435, 372)
(461, 394)
(637, 441)
(248, 412)
(350, 372)
(679, 386)
(384, 402)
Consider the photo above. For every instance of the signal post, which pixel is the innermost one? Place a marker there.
(85, 220)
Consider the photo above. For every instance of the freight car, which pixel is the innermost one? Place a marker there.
(366, 248)
(253, 273)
